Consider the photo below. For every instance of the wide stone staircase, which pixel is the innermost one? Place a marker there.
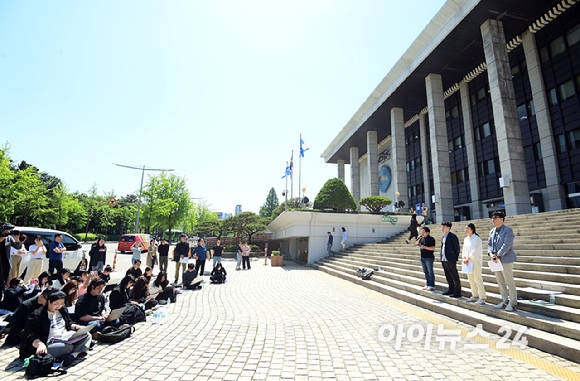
(548, 250)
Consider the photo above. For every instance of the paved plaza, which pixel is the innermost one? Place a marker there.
(292, 322)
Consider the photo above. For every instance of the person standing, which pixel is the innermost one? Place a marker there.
(344, 238)
(472, 252)
(55, 250)
(136, 248)
(16, 255)
(500, 247)
(7, 241)
(163, 251)
(152, 254)
(200, 255)
(449, 257)
(98, 255)
(427, 245)
(216, 253)
(180, 253)
(246, 255)
(413, 228)
(424, 211)
(239, 252)
(37, 254)
(329, 244)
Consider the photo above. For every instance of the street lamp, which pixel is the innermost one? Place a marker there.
(143, 169)
(302, 201)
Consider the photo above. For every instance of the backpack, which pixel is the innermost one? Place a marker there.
(115, 335)
(364, 274)
(41, 365)
(133, 314)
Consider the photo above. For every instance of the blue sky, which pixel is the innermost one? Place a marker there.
(217, 90)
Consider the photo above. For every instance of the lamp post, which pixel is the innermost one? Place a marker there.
(397, 194)
(302, 201)
(143, 169)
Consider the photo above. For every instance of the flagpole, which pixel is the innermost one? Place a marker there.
(300, 171)
(291, 177)
(286, 192)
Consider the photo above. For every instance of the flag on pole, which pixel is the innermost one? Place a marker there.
(287, 172)
(303, 146)
(291, 163)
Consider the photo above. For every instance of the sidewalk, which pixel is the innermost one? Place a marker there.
(272, 323)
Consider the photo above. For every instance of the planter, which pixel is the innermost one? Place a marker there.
(277, 260)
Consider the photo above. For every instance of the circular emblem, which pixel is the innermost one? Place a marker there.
(384, 178)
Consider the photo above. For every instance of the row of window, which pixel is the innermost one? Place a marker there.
(411, 165)
(563, 92)
(484, 130)
(415, 190)
(478, 97)
(455, 144)
(558, 45)
(532, 153)
(526, 110)
(453, 113)
(488, 167)
(409, 139)
(459, 176)
(569, 140)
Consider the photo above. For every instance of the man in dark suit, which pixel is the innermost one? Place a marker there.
(449, 256)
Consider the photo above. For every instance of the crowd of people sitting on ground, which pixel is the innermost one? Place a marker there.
(44, 314)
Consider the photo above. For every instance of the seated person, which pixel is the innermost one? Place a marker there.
(189, 276)
(18, 320)
(135, 270)
(140, 293)
(47, 323)
(61, 278)
(106, 273)
(12, 296)
(159, 284)
(148, 274)
(83, 284)
(168, 293)
(90, 308)
(120, 294)
(218, 274)
(37, 285)
(70, 289)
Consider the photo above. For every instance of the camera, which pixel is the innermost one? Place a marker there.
(6, 226)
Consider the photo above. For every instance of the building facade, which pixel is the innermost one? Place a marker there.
(481, 113)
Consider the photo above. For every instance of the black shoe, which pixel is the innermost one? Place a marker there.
(93, 343)
(67, 360)
(447, 293)
(456, 296)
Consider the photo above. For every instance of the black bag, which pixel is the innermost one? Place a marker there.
(116, 334)
(41, 365)
(364, 274)
(133, 314)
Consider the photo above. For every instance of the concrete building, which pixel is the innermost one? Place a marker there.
(481, 113)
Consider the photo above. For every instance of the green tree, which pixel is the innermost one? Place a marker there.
(173, 200)
(270, 204)
(375, 203)
(216, 228)
(257, 227)
(7, 191)
(241, 221)
(334, 195)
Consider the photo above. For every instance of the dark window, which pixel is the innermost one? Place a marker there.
(573, 35)
(490, 167)
(567, 90)
(531, 108)
(450, 145)
(410, 192)
(473, 101)
(466, 174)
(408, 167)
(480, 94)
(522, 112)
(573, 188)
(515, 72)
(419, 189)
(578, 81)
(486, 130)
(457, 143)
(432, 186)
(575, 139)
(561, 139)
(552, 97)
(538, 151)
(454, 112)
(459, 175)
(412, 165)
(544, 54)
(476, 133)
(418, 162)
(480, 169)
(447, 114)
(557, 46)
(453, 179)
(529, 155)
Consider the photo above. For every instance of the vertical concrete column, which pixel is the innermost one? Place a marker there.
(354, 174)
(340, 164)
(425, 161)
(399, 170)
(555, 191)
(439, 149)
(516, 193)
(470, 149)
(372, 162)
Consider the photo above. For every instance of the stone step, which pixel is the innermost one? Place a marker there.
(410, 249)
(548, 341)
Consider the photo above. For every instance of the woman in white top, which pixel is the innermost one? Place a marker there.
(472, 252)
(343, 242)
(37, 254)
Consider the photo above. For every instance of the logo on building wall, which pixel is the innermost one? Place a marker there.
(385, 155)
(384, 178)
(391, 219)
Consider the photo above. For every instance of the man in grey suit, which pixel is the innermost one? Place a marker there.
(500, 247)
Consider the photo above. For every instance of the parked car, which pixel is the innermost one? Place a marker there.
(127, 240)
(71, 258)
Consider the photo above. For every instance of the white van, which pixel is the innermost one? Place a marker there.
(71, 258)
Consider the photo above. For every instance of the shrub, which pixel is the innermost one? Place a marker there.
(375, 203)
(334, 195)
(276, 253)
(113, 237)
(81, 237)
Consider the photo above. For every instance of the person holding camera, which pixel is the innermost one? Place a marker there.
(37, 254)
(500, 247)
(6, 239)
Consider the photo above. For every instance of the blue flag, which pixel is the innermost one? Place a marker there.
(303, 146)
(287, 173)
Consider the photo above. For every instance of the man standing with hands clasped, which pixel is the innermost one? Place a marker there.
(449, 256)
(180, 252)
(500, 247)
(55, 250)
